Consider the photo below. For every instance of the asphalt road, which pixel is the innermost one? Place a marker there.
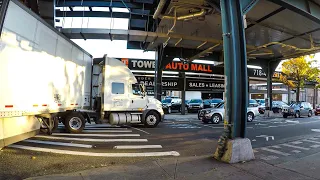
(274, 140)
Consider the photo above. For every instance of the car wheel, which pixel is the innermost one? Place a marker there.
(250, 117)
(309, 113)
(297, 114)
(216, 118)
(285, 115)
(169, 110)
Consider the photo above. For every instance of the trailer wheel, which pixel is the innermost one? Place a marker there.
(152, 119)
(75, 122)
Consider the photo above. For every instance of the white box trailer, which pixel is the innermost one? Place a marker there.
(45, 78)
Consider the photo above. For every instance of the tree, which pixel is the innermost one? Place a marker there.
(297, 71)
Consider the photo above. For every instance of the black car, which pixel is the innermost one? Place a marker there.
(195, 105)
(171, 104)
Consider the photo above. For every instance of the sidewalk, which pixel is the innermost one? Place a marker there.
(199, 168)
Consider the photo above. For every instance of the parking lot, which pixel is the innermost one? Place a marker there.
(275, 140)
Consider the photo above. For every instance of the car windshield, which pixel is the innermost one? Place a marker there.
(207, 101)
(166, 101)
(252, 101)
(195, 101)
(219, 105)
(295, 104)
(262, 101)
(216, 100)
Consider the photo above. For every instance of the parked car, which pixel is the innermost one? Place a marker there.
(195, 105)
(209, 103)
(171, 104)
(187, 102)
(216, 114)
(260, 101)
(277, 107)
(253, 103)
(317, 110)
(297, 110)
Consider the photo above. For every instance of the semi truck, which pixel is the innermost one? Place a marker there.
(45, 78)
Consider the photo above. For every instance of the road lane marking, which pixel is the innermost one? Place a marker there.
(214, 127)
(296, 142)
(58, 143)
(275, 151)
(137, 147)
(92, 140)
(315, 146)
(267, 158)
(278, 147)
(272, 126)
(96, 135)
(316, 142)
(140, 130)
(297, 147)
(107, 131)
(296, 151)
(80, 153)
(313, 138)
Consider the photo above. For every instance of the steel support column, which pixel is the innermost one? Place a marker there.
(235, 60)
(314, 97)
(269, 85)
(289, 95)
(183, 93)
(158, 73)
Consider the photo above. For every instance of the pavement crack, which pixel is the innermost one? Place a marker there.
(81, 176)
(163, 169)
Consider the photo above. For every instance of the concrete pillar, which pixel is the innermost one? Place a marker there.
(158, 74)
(183, 93)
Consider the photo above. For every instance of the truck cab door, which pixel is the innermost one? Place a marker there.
(137, 97)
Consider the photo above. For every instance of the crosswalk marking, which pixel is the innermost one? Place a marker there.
(94, 128)
(267, 158)
(96, 135)
(296, 142)
(58, 143)
(278, 147)
(80, 153)
(314, 138)
(275, 151)
(316, 142)
(137, 147)
(107, 131)
(93, 140)
(297, 147)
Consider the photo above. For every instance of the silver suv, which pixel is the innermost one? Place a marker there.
(297, 110)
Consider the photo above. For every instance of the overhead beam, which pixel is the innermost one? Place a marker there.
(100, 14)
(266, 17)
(306, 8)
(104, 4)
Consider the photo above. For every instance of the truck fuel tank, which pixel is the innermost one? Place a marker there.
(125, 118)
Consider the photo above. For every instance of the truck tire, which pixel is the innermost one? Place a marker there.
(75, 122)
(309, 113)
(152, 119)
(285, 115)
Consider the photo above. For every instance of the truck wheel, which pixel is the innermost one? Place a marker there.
(297, 114)
(152, 119)
(309, 113)
(75, 122)
(285, 116)
(169, 110)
